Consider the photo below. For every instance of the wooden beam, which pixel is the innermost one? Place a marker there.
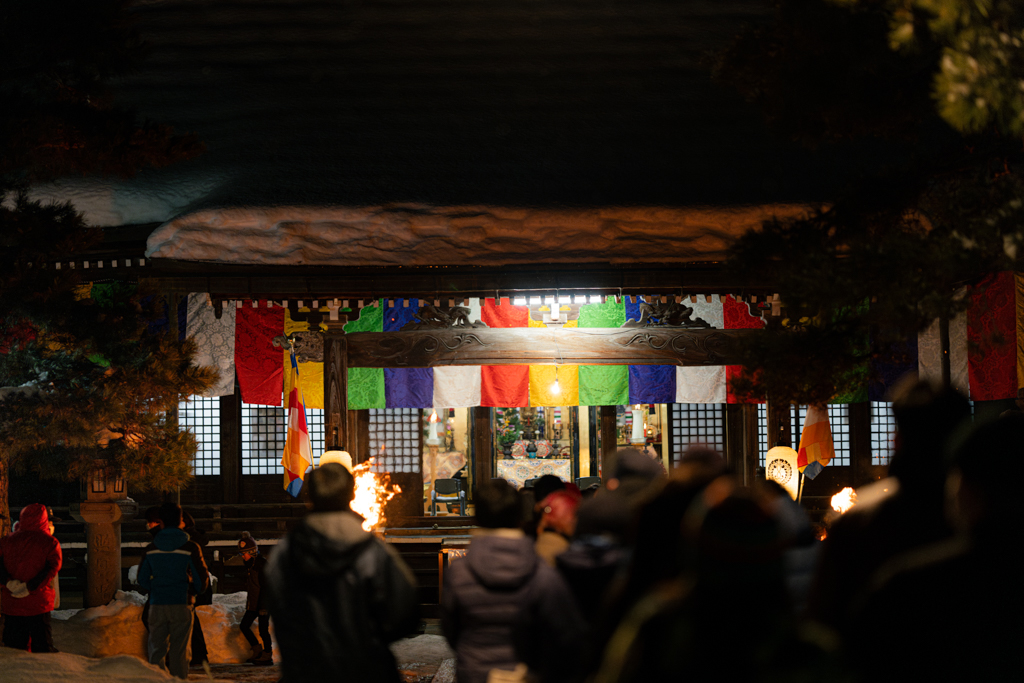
(370, 282)
(525, 346)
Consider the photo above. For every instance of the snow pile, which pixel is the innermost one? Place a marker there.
(112, 629)
(422, 657)
(116, 628)
(224, 639)
(61, 667)
(419, 235)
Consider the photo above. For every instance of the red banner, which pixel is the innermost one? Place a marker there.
(257, 362)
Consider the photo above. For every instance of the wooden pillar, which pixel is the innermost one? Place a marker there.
(483, 445)
(231, 447)
(609, 440)
(860, 444)
(741, 441)
(780, 420)
(337, 433)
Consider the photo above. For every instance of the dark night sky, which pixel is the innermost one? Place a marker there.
(530, 103)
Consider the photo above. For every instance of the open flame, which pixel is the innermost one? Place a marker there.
(844, 500)
(373, 491)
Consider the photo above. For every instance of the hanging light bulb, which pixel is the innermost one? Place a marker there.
(555, 388)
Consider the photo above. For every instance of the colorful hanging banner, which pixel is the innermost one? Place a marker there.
(652, 383)
(214, 339)
(554, 385)
(406, 387)
(505, 385)
(649, 383)
(298, 454)
(603, 385)
(992, 338)
(311, 373)
(1018, 282)
(366, 385)
(257, 362)
(703, 384)
(457, 386)
(504, 314)
(736, 315)
(816, 447)
(610, 314)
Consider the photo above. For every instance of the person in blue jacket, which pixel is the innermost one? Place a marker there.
(167, 572)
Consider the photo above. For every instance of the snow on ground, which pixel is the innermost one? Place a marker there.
(116, 628)
(107, 644)
(420, 235)
(63, 667)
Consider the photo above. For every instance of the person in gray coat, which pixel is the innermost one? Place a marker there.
(502, 606)
(338, 595)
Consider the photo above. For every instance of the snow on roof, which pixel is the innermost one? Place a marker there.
(420, 235)
(450, 103)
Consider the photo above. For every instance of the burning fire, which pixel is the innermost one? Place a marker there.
(844, 500)
(373, 491)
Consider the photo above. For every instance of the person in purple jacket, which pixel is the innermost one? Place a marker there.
(503, 607)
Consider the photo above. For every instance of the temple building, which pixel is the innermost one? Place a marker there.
(495, 234)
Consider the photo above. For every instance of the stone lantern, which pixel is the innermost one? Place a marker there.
(105, 505)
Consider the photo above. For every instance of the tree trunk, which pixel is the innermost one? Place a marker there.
(944, 348)
(5, 508)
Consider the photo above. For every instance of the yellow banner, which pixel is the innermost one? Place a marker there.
(543, 391)
(311, 375)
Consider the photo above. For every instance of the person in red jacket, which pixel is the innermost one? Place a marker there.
(29, 559)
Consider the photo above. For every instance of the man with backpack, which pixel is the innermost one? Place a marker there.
(337, 593)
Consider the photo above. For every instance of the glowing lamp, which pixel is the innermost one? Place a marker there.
(340, 457)
(433, 438)
(638, 426)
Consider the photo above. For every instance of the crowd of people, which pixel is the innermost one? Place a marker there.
(658, 575)
(651, 576)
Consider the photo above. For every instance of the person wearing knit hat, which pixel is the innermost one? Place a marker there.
(557, 523)
(255, 610)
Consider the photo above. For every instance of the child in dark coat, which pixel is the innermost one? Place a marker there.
(254, 607)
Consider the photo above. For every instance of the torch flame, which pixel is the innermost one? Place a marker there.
(844, 500)
(372, 492)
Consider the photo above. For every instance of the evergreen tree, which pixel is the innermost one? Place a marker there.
(86, 374)
(931, 92)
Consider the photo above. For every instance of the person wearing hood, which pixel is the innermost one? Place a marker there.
(255, 609)
(337, 593)
(29, 559)
(502, 607)
(168, 572)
